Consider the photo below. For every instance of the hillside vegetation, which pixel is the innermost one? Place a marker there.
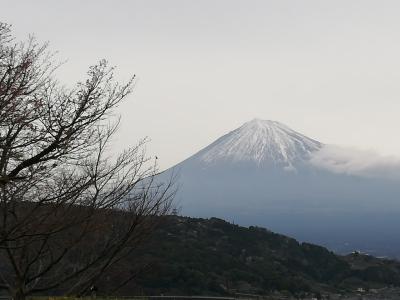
(213, 257)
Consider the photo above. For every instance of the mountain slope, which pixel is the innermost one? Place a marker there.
(260, 174)
(261, 142)
(214, 257)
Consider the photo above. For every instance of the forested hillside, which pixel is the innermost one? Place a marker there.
(212, 257)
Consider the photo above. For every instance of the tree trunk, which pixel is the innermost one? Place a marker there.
(19, 294)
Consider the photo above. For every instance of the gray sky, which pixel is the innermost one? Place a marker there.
(328, 69)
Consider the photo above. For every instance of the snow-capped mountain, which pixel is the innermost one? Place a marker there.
(263, 142)
(264, 173)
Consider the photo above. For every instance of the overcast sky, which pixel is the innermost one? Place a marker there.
(328, 69)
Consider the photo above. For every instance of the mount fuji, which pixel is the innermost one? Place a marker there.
(264, 173)
(261, 143)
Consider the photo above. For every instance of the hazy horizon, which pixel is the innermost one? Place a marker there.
(328, 70)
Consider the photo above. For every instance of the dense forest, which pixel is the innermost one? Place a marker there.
(189, 256)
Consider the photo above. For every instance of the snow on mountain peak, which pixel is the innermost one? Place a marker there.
(263, 142)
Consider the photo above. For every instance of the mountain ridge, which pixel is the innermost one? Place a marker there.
(261, 142)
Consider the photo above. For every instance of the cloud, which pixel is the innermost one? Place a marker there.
(353, 161)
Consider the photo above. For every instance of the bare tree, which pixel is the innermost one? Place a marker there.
(69, 210)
